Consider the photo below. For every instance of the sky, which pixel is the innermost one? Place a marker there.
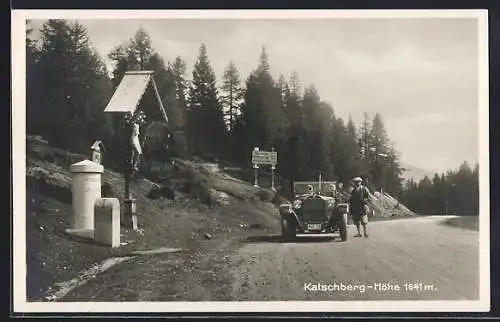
(420, 74)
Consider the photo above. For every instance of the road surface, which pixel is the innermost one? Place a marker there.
(404, 259)
(409, 259)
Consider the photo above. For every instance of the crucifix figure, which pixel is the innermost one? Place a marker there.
(136, 147)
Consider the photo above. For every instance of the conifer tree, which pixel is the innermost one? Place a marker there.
(205, 119)
(178, 69)
(72, 87)
(263, 117)
(232, 95)
(138, 54)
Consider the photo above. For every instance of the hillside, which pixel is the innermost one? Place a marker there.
(206, 203)
(186, 203)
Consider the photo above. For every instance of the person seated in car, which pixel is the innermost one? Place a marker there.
(332, 190)
(309, 189)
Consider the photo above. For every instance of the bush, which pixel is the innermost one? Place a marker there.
(160, 191)
(157, 171)
(266, 195)
(107, 191)
(179, 146)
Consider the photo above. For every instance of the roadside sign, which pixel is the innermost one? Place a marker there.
(264, 157)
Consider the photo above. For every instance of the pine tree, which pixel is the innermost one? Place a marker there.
(312, 138)
(138, 54)
(263, 117)
(54, 67)
(295, 87)
(75, 87)
(294, 115)
(141, 49)
(178, 69)
(134, 55)
(341, 152)
(352, 154)
(232, 95)
(351, 130)
(378, 152)
(284, 91)
(365, 144)
(34, 111)
(326, 119)
(392, 180)
(264, 66)
(378, 135)
(453, 192)
(364, 136)
(177, 107)
(206, 120)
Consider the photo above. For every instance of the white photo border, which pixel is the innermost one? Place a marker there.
(20, 304)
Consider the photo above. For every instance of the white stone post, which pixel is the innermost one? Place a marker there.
(107, 221)
(86, 189)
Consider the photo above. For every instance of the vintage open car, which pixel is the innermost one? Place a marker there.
(316, 209)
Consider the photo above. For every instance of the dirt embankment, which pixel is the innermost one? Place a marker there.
(197, 203)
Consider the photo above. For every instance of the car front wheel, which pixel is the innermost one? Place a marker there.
(343, 227)
(287, 229)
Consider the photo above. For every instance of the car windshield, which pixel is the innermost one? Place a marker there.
(300, 187)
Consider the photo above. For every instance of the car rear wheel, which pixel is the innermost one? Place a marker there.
(287, 229)
(343, 227)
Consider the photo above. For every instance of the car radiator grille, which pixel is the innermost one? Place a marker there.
(313, 210)
(314, 216)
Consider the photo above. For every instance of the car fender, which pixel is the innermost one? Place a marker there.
(287, 210)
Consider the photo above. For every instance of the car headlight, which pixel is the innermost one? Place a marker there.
(297, 204)
(285, 209)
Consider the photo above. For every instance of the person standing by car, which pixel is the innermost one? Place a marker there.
(358, 203)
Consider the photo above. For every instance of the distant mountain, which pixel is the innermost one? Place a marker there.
(416, 173)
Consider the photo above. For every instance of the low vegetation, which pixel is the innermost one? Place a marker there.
(464, 222)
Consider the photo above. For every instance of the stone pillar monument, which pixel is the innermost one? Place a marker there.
(86, 189)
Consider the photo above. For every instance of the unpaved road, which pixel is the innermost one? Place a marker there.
(255, 268)
(397, 252)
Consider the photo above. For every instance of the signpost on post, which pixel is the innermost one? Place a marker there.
(264, 158)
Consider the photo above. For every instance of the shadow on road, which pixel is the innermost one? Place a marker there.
(299, 239)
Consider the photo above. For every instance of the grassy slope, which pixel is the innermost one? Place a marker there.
(200, 188)
(53, 255)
